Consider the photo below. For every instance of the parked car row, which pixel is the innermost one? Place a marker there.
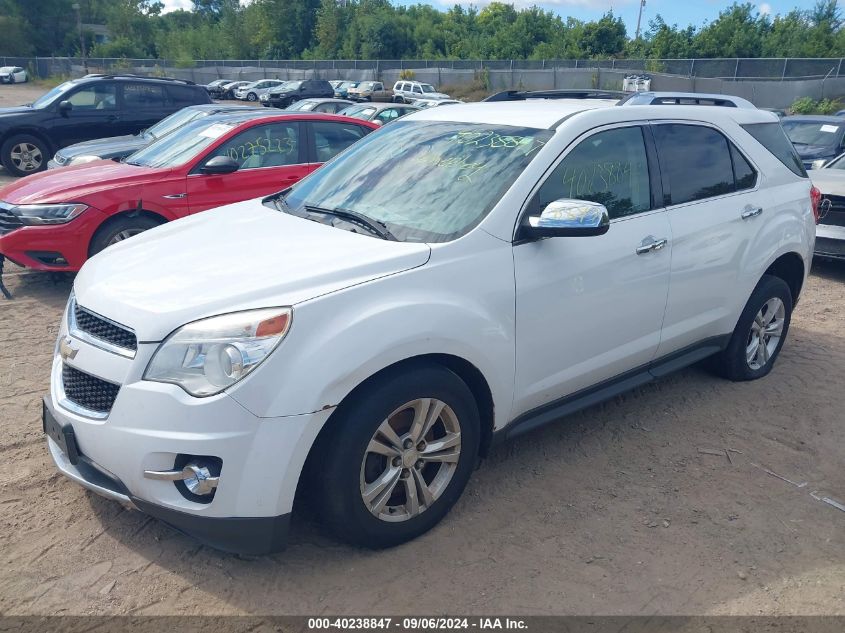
(212, 368)
(360, 339)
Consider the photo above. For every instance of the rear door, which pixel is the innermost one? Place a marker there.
(716, 209)
(271, 156)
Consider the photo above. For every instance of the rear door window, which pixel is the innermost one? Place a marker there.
(143, 97)
(696, 161)
(773, 138)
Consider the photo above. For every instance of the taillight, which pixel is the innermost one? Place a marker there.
(815, 202)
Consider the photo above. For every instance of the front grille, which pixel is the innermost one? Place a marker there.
(88, 391)
(105, 330)
(8, 220)
(836, 215)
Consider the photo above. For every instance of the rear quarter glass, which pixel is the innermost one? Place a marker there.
(774, 139)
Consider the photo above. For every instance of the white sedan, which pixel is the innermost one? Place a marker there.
(13, 75)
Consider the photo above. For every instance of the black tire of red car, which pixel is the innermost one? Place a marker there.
(733, 363)
(111, 231)
(252, 97)
(335, 465)
(18, 139)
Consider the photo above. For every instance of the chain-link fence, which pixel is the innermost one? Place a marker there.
(729, 68)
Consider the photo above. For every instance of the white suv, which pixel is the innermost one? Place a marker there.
(464, 275)
(407, 91)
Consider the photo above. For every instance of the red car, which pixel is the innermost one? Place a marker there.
(55, 220)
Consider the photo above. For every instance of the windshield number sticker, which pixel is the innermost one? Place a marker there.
(829, 128)
(215, 131)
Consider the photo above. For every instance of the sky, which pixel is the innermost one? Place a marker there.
(681, 12)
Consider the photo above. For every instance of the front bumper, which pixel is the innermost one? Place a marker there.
(57, 248)
(151, 425)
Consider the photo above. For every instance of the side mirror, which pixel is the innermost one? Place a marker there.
(220, 165)
(568, 218)
(65, 107)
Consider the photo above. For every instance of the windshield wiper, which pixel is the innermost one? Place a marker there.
(371, 224)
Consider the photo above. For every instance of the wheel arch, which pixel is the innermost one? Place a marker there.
(789, 267)
(127, 213)
(471, 376)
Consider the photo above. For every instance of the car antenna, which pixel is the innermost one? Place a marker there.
(3, 288)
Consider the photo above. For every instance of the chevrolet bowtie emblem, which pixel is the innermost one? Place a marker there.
(66, 349)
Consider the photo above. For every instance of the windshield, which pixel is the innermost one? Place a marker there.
(349, 84)
(303, 106)
(359, 112)
(182, 145)
(426, 181)
(292, 85)
(46, 99)
(427, 88)
(812, 132)
(175, 120)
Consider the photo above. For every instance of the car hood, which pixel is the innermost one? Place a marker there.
(15, 111)
(106, 147)
(829, 181)
(435, 95)
(74, 184)
(237, 257)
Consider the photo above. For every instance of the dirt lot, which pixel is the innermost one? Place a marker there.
(623, 509)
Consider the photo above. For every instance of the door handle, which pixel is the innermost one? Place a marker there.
(751, 212)
(653, 245)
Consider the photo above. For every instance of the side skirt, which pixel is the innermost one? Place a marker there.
(612, 387)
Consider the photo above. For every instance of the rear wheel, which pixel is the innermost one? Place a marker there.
(760, 332)
(119, 229)
(24, 154)
(397, 457)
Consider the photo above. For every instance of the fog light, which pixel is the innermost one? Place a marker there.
(200, 481)
(197, 478)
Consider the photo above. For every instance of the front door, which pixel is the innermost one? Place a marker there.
(94, 114)
(589, 309)
(271, 157)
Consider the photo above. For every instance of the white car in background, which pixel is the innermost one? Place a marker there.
(13, 75)
(460, 277)
(830, 233)
(405, 91)
(254, 90)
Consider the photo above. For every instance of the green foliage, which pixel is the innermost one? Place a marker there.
(383, 29)
(407, 74)
(807, 105)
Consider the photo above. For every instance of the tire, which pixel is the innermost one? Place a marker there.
(252, 97)
(769, 306)
(24, 154)
(119, 229)
(342, 469)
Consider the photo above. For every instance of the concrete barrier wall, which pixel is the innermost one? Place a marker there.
(763, 93)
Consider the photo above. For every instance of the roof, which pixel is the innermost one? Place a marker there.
(549, 114)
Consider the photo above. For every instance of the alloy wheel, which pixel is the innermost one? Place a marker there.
(124, 235)
(410, 460)
(765, 334)
(26, 157)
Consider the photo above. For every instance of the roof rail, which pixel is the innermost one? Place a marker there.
(132, 76)
(522, 95)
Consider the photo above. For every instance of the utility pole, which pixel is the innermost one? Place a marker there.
(75, 7)
(639, 19)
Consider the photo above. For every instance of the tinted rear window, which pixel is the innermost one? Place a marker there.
(773, 138)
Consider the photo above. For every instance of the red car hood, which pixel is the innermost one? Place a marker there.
(73, 184)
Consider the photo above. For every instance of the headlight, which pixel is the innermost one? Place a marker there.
(81, 160)
(38, 214)
(818, 163)
(207, 356)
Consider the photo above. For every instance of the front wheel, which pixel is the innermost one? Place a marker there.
(117, 230)
(760, 332)
(252, 97)
(24, 154)
(396, 457)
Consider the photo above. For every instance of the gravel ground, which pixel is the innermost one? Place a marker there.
(672, 499)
